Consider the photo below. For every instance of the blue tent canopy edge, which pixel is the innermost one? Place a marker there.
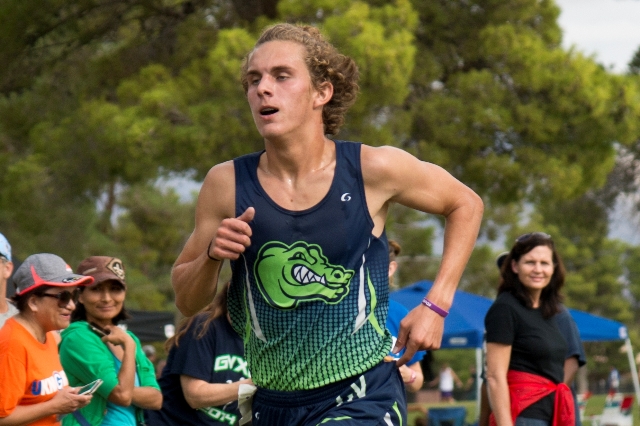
(464, 326)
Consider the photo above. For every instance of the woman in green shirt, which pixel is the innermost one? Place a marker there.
(112, 355)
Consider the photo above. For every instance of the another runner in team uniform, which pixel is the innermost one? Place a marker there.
(303, 223)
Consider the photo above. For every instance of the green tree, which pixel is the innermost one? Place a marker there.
(98, 100)
(149, 235)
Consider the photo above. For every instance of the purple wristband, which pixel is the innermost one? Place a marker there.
(435, 308)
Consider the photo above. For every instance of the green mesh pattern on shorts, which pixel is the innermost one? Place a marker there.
(313, 344)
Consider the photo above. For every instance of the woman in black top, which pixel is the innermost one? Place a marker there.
(522, 337)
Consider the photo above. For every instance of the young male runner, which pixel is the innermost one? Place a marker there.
(303, 224)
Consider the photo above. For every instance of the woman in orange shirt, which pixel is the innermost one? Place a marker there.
(34, 389)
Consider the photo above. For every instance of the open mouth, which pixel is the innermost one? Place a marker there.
(268, 111)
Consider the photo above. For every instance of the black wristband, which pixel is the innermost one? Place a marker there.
(209, 256)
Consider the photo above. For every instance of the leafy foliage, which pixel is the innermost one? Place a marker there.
(101, 100)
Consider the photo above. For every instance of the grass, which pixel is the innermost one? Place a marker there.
(594, 406)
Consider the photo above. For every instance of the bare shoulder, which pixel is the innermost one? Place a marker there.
(221, 172)
(389, 169)
(217, 194)
(382, 158)
(398, 176)
(380, 164)
(216, 202)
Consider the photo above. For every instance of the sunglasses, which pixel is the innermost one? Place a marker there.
(64, 297)
(526, 237)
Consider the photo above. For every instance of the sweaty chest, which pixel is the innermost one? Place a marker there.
(297, 194)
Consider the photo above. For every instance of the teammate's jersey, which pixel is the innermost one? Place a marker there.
(310, 295)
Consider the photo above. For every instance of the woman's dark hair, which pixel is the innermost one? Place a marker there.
(22, 300)
(550, 298)
(215, 309)
(80, 313)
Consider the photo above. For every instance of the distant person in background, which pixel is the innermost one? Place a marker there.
(34, 389)
(204, 370)
(427, 366)
(525, 349)
(446, 380)
(150, 352)
(471, 385)
(160, 366)
(613, 380)
(7, 308)
(87, 353)
(412, 371)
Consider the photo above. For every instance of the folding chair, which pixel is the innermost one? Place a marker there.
(446, 416)
(626, 405)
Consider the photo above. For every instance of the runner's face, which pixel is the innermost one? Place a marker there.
(280, 93)
(535, 269)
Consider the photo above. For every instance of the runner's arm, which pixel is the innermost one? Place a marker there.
(195, 276)
(393, 175)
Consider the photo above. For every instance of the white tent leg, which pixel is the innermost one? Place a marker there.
(479, 369)
(634, 371)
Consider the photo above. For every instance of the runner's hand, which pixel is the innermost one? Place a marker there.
(421, 329)
(232, 237)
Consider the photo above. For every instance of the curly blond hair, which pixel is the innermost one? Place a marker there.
(324, 63)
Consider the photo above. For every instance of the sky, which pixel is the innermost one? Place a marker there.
(610, 29)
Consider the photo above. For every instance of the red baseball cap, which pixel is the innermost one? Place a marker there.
(46, 269)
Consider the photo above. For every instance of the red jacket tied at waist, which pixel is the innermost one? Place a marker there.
(527, 388)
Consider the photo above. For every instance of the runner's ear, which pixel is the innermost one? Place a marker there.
(324, 93)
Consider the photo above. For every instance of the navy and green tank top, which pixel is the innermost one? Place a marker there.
(310, 295)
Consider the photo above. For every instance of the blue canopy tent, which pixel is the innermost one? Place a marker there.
(597, 329)
(464, 326)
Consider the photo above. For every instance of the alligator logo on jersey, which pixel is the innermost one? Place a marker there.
(287, 275)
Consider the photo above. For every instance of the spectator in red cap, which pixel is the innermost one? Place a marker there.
(34, 389)
(94, 347)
